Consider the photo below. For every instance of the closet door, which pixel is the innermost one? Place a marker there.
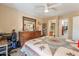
(76, 28)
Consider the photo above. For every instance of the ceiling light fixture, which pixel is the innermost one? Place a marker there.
(46, 9)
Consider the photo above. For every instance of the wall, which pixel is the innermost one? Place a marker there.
(11, 19)
(70, 27)
(70, 23)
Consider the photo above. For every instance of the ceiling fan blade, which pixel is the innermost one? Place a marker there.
(55, 5)
(46, 8)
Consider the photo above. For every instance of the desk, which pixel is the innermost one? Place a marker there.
(3, 38)
(3, 42)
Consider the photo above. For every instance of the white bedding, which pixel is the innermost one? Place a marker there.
(41, 49)
(45, 49)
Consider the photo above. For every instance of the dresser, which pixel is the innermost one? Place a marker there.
(25, 36)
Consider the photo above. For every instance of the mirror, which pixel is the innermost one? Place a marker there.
(29, 24)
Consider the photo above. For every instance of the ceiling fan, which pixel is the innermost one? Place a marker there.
(50, 6)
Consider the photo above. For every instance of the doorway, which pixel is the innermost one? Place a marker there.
(63, 28)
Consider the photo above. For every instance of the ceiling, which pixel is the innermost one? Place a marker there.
(33, 9)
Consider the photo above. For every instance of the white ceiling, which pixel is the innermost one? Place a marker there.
(34, 10)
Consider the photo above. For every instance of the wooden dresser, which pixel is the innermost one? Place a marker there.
(25, 36)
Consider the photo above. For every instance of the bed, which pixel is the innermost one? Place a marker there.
(49, 46)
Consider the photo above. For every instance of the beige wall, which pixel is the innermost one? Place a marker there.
(11, 19)
(70, 22)
(70, 27)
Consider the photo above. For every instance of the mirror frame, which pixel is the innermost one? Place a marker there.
(31, 20)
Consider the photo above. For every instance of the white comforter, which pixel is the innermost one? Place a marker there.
(44, 49)
(40, 49)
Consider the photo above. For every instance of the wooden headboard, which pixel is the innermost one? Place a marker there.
(25, 36)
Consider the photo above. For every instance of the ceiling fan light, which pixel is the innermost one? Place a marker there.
(46, 11)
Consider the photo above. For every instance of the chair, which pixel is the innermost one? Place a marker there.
(4, 50)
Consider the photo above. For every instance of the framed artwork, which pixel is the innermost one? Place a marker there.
(29, 24)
